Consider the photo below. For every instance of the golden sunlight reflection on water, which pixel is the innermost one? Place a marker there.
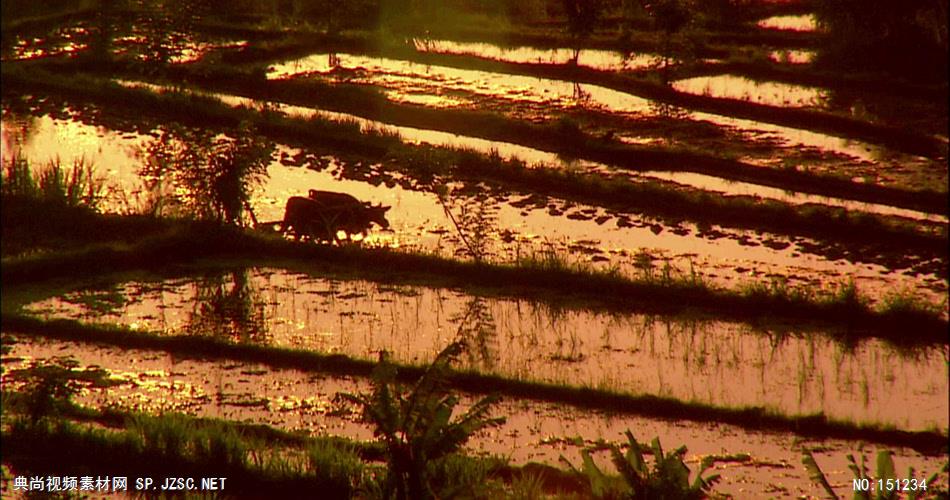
(805, 22)
(419, 220)
(738, 87)
(397, 74)
(606, 60)
(690, 359)
(403, 78)
(534, 431)
(544, 159)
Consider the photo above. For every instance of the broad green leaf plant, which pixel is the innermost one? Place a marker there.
(668, 479)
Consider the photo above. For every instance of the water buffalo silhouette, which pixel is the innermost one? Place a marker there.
(359, 213)
(334, 199)
(323, 214)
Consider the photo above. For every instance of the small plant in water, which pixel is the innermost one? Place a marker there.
(667, 479)
(475, 218)
(416, 426)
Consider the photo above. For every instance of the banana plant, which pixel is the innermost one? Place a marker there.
(416, 426)
(668, 479)
(885, 470)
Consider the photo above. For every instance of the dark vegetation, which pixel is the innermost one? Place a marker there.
(884, 471)
(179, 446)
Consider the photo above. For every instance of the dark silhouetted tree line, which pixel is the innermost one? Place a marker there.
(905, 38)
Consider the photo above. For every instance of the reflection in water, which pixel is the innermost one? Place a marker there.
(163, 30)
(18, 131)
(162, 33)
(533, 432)
(691, 359)
(805, 22)
(229, 310)
(404, 78)
(598, 59)
(474, 213)
(74, 140)
(476, 328)
(442, 86)
(738, 87)
(578, 232)
(764, 132)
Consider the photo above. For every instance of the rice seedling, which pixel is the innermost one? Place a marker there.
(342, 469)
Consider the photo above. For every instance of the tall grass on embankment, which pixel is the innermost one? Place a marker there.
(51, 184)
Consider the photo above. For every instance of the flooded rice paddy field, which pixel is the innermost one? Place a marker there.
(526, 224)
(738, 87)
(630, 118)
(606, 60)
(792, 56)
(806, 22)
(534, 431)
(136, 39)
(786, 369)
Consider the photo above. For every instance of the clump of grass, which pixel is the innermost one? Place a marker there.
(340, 466)
(526, 487)
(775, 290)
(846, 296)
(905, 303)
(545, 260)
(72, 186)
(174, 438)
(17, 178)
(208, 177)
(667, 275)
